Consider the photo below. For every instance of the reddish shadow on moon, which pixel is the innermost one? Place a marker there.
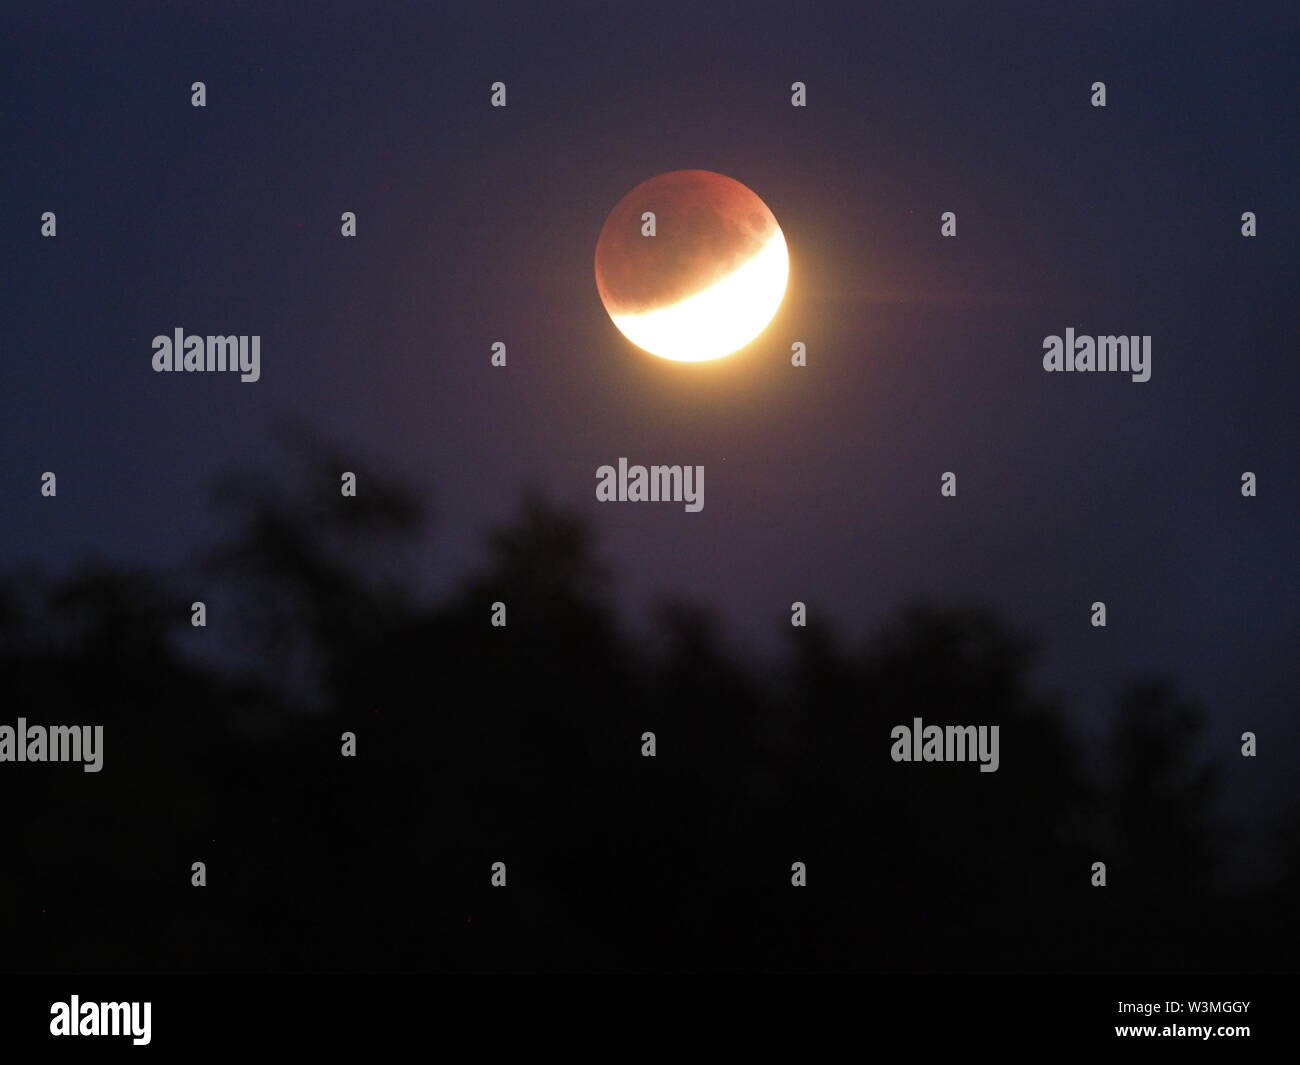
(707, 226)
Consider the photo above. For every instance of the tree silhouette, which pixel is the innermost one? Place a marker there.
(523, 744)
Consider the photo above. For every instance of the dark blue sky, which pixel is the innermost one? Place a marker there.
(822, 484)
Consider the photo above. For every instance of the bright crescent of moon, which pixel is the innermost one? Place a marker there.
(691, 265)
(720, 319)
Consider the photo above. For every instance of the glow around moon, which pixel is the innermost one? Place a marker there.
(707, 282)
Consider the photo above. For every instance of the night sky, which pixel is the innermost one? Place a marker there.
(478, 225)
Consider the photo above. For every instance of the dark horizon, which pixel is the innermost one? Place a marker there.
(525, 744)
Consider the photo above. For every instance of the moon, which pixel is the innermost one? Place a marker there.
(707, 281)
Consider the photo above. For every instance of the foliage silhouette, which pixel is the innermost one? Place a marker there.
(523, 744)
